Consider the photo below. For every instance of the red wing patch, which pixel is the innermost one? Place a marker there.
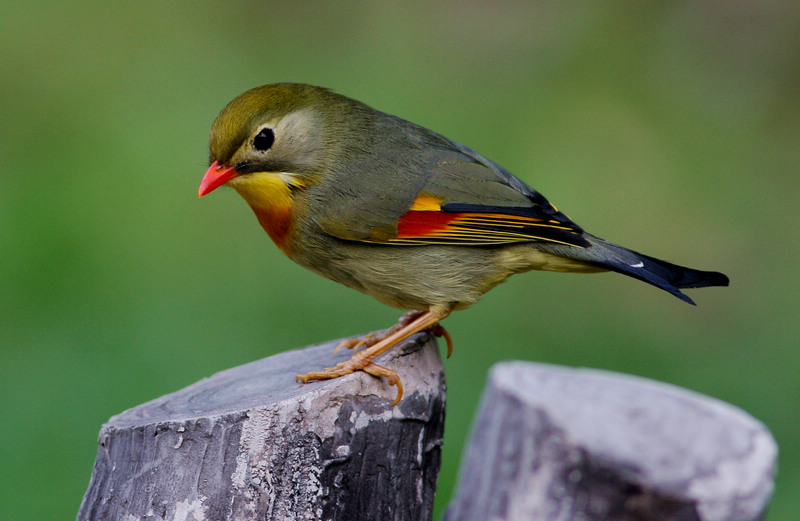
(480, 229)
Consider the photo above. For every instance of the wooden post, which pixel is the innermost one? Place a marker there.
(555, 444)
(250, 443)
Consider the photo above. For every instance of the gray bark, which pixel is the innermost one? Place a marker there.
(250, 443)
(554, 443)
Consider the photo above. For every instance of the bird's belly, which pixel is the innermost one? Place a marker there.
(410, 277)
(431, 276)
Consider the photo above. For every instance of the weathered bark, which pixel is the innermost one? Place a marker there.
(553, 443)
(250, 443)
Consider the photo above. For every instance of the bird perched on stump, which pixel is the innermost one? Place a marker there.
(399, 212)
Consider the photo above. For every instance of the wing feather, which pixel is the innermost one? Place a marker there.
(447, 194)
(477, 228)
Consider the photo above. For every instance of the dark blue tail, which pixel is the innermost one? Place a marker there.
(662, 274)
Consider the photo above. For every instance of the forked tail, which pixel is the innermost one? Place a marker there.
(662, 274)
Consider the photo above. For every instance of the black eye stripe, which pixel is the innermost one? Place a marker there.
(264, 140)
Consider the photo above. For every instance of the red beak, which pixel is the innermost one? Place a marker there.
(216, 176)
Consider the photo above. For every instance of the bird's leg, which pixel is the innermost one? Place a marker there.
(357, 342)
(370, 339)
(362, 360)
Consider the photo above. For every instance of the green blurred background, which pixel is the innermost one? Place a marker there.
(669, 127)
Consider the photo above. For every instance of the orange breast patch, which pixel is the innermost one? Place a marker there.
(277, 222)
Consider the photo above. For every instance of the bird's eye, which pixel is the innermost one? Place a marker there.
(264, 139)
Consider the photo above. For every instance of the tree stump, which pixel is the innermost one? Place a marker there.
(250, 443)
(555, 444)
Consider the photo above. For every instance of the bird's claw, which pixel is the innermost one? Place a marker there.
(357, 342)
(353, 365)
(375, 344)
(438, 330)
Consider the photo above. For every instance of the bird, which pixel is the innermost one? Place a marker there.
(399, 212)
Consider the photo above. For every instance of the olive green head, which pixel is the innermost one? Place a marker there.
(287, 127)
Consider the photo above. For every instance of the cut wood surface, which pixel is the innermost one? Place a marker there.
(552, 443)
(251, 443)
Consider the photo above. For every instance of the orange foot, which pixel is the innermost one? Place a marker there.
(375, 344)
